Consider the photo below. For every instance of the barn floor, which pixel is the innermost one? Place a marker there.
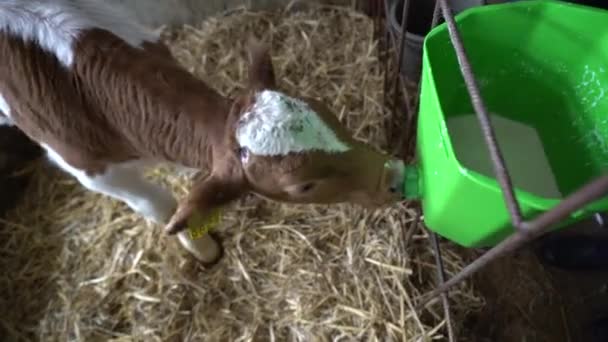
(80, 267)
(522, 303)
(530, 301)
(523, 300)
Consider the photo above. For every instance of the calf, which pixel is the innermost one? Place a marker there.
(105, 99)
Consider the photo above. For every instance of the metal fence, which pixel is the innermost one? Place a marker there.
(398, 100)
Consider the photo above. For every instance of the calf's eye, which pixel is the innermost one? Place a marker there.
(244, 154)
(307, 187)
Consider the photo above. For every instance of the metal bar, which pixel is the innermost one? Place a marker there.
(539, 226)
(412, 229)
(500, 169)
(441, 280)
(404, 14)
(376, 14)
(386, 67)
(400, 83)
(410, 136)
(410, 118)
(401, 46)
(390, 38)
(384, 51)
(436, 13)
(526, 231)
(400, 77)
(590, 192)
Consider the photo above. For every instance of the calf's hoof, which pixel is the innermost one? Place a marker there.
(207, 250)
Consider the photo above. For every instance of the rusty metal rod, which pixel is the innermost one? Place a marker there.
(539, 226)
(411, 118)
(436, 13)
(380, 17)
(402, 80)
(410, 135)
(500, 169)
(385, 53)
(589, 193)
(526, 231)
(441, 280)
(404, 12)
(387, 80)
(398, 80)
(398, 84)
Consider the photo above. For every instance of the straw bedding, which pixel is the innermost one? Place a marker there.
(80, 266)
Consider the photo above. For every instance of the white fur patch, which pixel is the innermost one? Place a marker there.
(56, 24)
(125, 183)
(5, 113)
(279, 125)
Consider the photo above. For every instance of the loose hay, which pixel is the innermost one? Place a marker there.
(80, 266)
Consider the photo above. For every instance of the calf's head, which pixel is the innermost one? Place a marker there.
(291, 149)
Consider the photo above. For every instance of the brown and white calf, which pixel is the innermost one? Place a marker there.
(106, 99)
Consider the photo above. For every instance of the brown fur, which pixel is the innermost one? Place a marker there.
(109, 109)
(119, 103)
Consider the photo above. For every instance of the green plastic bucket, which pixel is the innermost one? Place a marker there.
(543, 64)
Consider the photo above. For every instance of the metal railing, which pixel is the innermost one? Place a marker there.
(525, 231)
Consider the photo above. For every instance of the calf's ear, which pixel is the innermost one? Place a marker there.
(261, 71)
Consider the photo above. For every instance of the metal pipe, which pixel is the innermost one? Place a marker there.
(500, 169)
(539, 226)
(441, 279)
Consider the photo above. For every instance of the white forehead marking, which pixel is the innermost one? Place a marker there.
(278, 124)
(56, 24)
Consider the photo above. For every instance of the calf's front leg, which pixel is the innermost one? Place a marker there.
(153, 202)
(125, 183)
(212, 193)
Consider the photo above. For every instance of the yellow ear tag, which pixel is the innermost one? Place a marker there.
(199, 225)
